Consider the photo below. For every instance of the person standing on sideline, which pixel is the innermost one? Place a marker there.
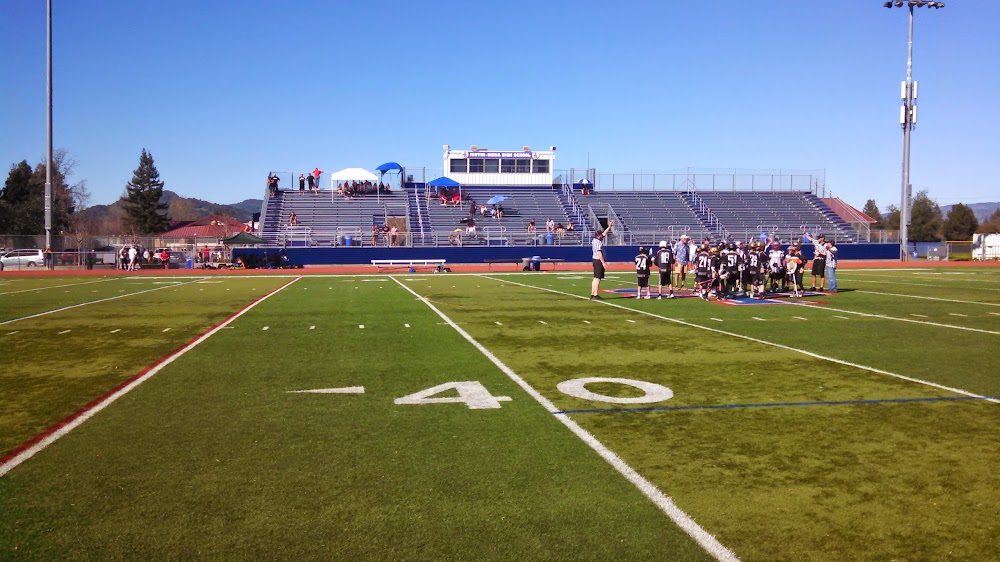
(819, 260)
(132, 254)
(682, 255)
(599, 260)
(664, 259)
(831, 266)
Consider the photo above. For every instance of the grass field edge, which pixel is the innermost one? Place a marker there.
(36, 444)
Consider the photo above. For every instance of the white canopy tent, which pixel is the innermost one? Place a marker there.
(350, 174)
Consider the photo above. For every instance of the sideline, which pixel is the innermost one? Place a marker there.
(58, 286)
(662, 501)
(51, 435)
(765, 342)
(174, 285)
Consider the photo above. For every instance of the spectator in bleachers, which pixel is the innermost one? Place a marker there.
(293, 220)
(531, 227)
(455, 238)
(385, 234)
(570, 227)
(312, 182)
(499, 212)
(443, 195)
(560, 229)
(272, 183)
(393, 232)
(375, 232)
(550, 225)
(316, 174)
(484, 210)
(302, 182)
(456, 198)
(470, 227)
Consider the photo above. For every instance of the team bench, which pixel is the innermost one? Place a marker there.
(434, 264)
(523, 262)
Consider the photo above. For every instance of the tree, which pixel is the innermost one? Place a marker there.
(22, 200)
(144, 213)
(891, 219)
(871, 209)
(991, 225)
(960, 223)
(925, 219)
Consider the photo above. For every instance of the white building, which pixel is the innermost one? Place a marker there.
(479, 166)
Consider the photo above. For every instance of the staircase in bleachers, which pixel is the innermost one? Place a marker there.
(843, 225)
(420, 225)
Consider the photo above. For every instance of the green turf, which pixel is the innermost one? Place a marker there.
(213, 458)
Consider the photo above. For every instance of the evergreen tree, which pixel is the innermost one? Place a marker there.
(144, 213)
(960, 223)
(871, 209)
(925, 219)
(22, 199)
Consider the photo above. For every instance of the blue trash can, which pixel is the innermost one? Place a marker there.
(549, 238)
(536, 263)
(348, 240)
(188, 263)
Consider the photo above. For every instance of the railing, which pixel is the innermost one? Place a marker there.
(713, 179)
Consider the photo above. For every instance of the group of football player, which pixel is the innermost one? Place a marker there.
(725, 270)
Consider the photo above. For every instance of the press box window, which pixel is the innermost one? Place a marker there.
(459, 165)
(523, 166)
(508, 166)
(476, 165)
(492, 166)
(540, 166)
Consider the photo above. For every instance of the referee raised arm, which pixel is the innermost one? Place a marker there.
(600, 263)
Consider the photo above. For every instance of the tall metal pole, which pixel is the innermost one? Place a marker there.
(904, 205)
(48, 157)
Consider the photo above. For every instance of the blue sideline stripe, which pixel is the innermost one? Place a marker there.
(776, 404)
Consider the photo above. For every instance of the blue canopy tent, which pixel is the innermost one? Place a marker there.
(444, 182)
(389, 167)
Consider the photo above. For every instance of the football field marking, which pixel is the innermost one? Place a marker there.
(925, 285)
(661, 500)
(116, 330)
(58, 286)
(46, 438)
(884, 317)
(90, 302)
(344, 390)
(63, 332)
(926, 298)
(765, 342)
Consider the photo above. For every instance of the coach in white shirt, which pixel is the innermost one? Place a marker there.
(599, 260)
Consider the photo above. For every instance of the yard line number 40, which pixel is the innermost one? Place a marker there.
(474, 395)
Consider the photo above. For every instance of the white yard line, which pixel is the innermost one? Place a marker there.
(765, 342)
(924, 285)
(926, 298)
(884, 317)
(91, 302)
(59, 286)
(85, 415)
(667, 505)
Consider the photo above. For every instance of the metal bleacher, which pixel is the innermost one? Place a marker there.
(523, 205)
(326, 219)
(783, 214)
(648, 215)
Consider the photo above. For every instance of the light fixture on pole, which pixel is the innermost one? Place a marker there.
(908, 120)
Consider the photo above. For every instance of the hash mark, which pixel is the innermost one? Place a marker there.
(630, 320)
(956, 314)
(842, 317)
(542, 322)
(265, 328)
(12, 333)
(312, 327)
(116, 330)
(586, 321)
(166, 330)
(716, 319)
(758, 318)
(406, 325)
(361, 326)
(64, 332)
(498, 323)
(799, 318)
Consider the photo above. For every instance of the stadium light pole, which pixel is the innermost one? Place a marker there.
(908, 120)
(48, 156)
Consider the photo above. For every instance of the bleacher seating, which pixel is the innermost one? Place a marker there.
(522, 205)
(783, 213)
(648, 215)
(324, 216)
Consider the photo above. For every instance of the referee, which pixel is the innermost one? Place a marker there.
(600, 263)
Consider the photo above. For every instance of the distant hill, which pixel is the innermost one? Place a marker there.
(196, 208)
(981, 210)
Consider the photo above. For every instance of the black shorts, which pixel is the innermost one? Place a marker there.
(701, 278)
(598, 269)
(759, 278)
(819, 267)
(666, 277)
(642, 280)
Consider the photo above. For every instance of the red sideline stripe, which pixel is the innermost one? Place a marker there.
(94, 403)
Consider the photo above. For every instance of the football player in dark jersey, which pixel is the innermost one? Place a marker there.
(718, 273)
(757, 266)
(731, 266)
(745, 278)
(642, 263)
(664, 260)
(703, 271)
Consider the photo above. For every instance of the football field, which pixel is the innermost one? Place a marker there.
(498, 416)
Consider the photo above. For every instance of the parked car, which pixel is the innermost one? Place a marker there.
(22, 258)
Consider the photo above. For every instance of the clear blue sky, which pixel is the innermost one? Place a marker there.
(222, 92)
